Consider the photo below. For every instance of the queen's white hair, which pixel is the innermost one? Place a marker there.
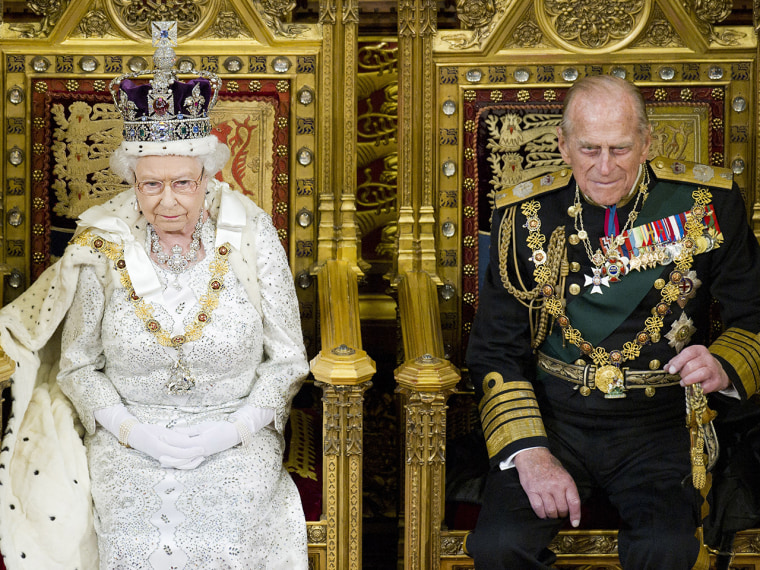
(210, 152)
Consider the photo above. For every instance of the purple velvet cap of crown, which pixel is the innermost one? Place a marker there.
(137, 93)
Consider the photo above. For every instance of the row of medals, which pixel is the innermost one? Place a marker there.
(613, 265)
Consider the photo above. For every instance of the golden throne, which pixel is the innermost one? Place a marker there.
(282, 84)
(486, 103)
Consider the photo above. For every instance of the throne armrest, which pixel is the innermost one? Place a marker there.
(343, 370)
(425, 381)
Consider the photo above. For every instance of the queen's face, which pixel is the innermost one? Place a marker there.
(170, 191)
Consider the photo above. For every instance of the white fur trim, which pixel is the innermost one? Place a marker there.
(187, 147)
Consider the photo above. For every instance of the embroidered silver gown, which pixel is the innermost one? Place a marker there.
(239, 509)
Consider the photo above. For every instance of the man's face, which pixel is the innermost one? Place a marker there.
(605, 147)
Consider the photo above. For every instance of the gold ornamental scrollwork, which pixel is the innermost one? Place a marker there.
(94, 24)
(585, 543)
(317, 533)
(83, 139)
(276, 13)
(660, 33)
(593, 25)
(50, 10)
(228, 25)
(135, 18)
(711, 12)
(452, 545)
(527, 34)
(480, 16)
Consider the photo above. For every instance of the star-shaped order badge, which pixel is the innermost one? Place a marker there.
(681, 332)
(596, 280)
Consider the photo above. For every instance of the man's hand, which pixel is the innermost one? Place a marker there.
(551, 490)
(695, 364)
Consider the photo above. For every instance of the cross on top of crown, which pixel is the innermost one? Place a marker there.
(164, 34)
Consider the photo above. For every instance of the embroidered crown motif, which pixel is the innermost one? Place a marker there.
(165, 108)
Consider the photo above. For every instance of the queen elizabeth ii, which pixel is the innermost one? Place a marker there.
(180, 353)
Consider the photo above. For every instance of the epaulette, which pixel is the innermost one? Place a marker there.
(688, 172)
(532, 188)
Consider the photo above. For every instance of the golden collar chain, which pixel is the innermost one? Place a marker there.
(598, 259)
(181, 381)
(609, 376)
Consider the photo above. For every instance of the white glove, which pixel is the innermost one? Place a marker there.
(253, 418)
(218, 436)
(169, 447)
(212, 437)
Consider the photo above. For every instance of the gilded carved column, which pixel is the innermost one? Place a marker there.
(348, 244)
(424, 478)
(416, 223)
(425, 381)
(327, 187)
(343, 370)
(342, 470)
(337, 237)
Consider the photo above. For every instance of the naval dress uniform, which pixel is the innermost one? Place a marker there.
(581, 307)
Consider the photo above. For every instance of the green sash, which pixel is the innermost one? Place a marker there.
(597, 316)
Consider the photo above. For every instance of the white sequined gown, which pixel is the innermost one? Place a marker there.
(239, 509)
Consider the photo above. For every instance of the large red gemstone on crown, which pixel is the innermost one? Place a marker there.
(160, 105)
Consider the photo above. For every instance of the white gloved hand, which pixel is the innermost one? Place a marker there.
(168, 447)
(253, 418)
(212, 437)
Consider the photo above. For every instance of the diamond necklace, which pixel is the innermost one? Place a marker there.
(597, 258)
(176, 262)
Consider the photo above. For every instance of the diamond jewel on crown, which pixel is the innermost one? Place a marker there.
(165, 109)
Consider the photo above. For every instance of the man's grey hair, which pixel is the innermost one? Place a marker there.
(610, 84)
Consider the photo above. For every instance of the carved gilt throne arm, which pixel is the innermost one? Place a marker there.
(425, 381)
(343, 370)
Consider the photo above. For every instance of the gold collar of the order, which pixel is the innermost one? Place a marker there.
(609, 376)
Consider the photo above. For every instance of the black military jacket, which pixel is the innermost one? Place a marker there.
(724, 273)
